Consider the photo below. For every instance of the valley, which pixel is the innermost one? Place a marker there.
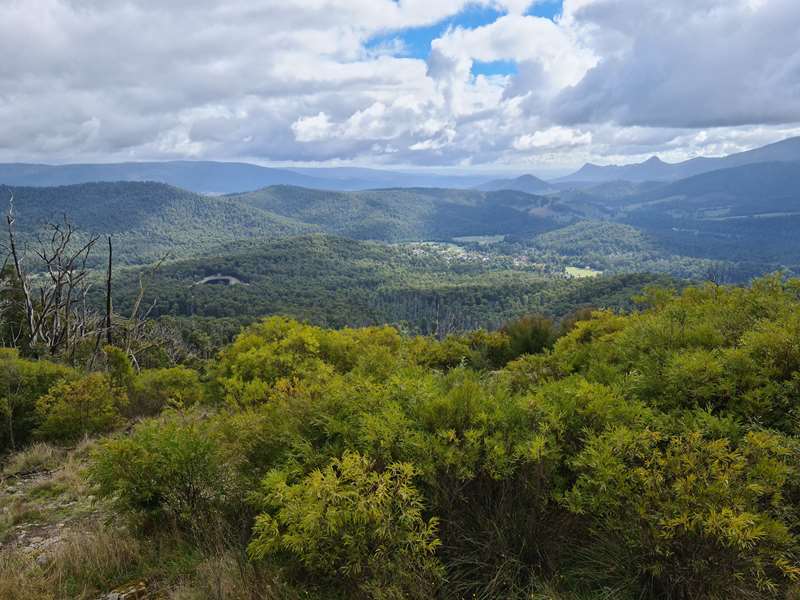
(476, 368)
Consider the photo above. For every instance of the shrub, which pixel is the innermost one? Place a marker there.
(530, 335)
(72, 409)
(352, 529)
(153, 390)
(690, 515)
(166, 468)
(22, 382)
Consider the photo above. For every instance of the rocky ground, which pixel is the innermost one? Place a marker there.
(46, 510)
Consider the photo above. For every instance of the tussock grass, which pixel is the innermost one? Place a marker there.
(68, 480)
(228, 575)
(94, 561)
(37, 457)
(80, 566)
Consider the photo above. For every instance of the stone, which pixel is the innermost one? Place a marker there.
(131, 591)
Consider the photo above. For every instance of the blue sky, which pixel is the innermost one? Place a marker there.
(416, 42)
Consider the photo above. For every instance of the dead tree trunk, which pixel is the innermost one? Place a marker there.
(109, 337)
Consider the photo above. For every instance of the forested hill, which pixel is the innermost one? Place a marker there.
(198, 176)
(745, 214)
(415, 213)
(339, 282)
(147, 220)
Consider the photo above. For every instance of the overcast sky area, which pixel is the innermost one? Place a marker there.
(492, 85)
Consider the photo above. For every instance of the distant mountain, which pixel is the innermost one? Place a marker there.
(357, 178)
(655, 169)
(197, 176)
(526, 183)
(147, 220)
(744, 213)
(412, 214)
(208, 177)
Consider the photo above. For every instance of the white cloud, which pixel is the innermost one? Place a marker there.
(554, 138)
(297, 80)
(311, 129)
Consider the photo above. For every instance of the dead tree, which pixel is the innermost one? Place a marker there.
(55, 295)
(109, 336)
(58, 316)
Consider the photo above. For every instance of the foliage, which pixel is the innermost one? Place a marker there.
(644, 455)
(154, 390)
(22, 382)
(696, 515)
(353, 530)
(72, 409)
(170, 468)
(336, 282)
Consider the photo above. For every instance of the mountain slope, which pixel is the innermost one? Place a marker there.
(526, 183)
(412, 214)
(197, 176)
(147, 220)
(655, 169)
(747, 213)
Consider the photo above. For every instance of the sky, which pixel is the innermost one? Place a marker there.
(536, 86)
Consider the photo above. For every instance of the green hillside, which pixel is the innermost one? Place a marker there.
(336, 282)
(748, 214)
(146, 220)
(413, 214)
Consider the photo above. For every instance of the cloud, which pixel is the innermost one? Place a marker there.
(686, 63)
(299, 80)
(555, 138)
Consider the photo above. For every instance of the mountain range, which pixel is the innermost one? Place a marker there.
(655, 169)
(208, 177)
(747, 213)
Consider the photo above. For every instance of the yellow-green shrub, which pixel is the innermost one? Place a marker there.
(72, 409)
(351, 530)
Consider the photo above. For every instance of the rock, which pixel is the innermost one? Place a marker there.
(132, 591)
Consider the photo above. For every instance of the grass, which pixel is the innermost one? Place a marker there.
(582, 272)
(14, 512)
(68, 481)
(79, 567)
(93, 561)
(34, 459)
(225, 574)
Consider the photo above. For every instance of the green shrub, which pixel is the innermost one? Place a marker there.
(170, 468)
(351, 529)
(530, 335)
(22, 382)
(153, 390)
(690, 515)
(72, 409)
